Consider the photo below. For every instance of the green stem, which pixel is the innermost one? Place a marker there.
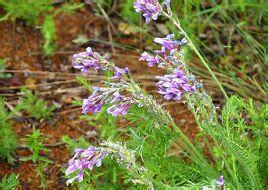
(194, 153)
(178, 25)
(199, 159)
(204, 127)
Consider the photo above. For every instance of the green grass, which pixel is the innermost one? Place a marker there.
(8, 138)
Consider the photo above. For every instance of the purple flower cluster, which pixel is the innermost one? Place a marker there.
(169, 47)
(150, 9)
(101, 96)
(87, 60)
(92, 60)
(94, 103)
(120, 108)
(175, 85)
(150, 59)
(84, 159)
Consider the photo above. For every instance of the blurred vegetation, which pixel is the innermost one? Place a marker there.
(49, 34)
(230, 34)
(8, 138)
(31, 12)
(3, 68)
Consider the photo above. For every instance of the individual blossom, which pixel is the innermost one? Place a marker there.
(169, 44)
(120, 108)
(175, 85)
(84, 159)
(150, 9)
(150, 59)
(95, 102)
(87, 60)
(118, 72)
(220, 182)
(121, 105)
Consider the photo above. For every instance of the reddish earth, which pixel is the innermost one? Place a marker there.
(53, 79)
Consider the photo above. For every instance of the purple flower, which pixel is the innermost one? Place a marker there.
(150, 9)
(169, 44)
(150, 59)
(118, 72)
(120, 108)
(100, 96)
(94, 103)
(175, 85)
(87, 60)
(220, 181)
(84, 159)
(121, 105)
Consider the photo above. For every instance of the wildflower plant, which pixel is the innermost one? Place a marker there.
(146, 150)
(34, 142)
(35, 106)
